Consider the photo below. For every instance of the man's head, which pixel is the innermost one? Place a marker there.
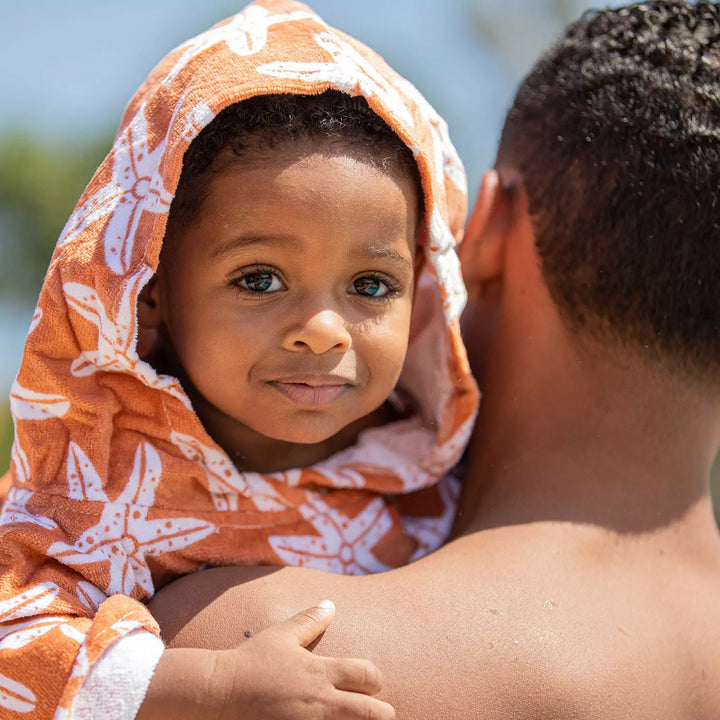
(616, 135)
(285, 285)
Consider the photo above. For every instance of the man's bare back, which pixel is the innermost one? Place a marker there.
(584, 573)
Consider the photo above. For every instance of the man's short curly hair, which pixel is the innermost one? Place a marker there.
(616, 132)
(254, 127)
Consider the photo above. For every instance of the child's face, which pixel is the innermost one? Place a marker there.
(287, 299)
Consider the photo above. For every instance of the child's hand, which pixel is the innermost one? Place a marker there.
(273, 677)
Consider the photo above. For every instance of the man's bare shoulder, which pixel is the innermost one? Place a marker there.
(522, 622)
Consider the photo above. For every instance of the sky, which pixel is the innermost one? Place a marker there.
(68, 68)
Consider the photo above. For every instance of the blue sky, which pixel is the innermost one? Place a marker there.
(68, 68)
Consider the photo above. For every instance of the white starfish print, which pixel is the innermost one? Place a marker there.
(432, 532)
(15, 510)
(90, 596)
(343, 476)
(30, 405)
(447, 455)
(116, 346)
(124, 535)
(19, 460)
(36, 318)
(444, 259)
(344, 545)
(225, 482)
(245, 34)
(136, 185)
(140, 187)
(17, 635)
(349, 72)
(28, 603)
(15, 696)
(447, 160)
(95, 207)
(197, 119)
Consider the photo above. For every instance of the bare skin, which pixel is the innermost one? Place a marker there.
(268, 675)
(584, 574)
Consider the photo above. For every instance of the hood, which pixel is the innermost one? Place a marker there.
(84, 397)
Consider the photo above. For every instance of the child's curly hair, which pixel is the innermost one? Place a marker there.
(263, 123)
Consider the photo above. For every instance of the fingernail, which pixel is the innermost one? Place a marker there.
(326, 605)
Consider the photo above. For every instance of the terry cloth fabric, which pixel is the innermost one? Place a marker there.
(116, 487)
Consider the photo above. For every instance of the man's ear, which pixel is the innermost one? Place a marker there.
(482, 250)
(149, 310)
(419, 259)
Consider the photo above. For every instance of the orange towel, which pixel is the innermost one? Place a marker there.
(116, 486)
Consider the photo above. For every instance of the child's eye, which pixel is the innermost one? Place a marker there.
(260, 281)
(373, 287)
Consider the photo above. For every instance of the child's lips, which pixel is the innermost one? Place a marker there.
(312, 392)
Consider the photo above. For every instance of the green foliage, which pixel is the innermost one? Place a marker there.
(6, 437)
(40, 183)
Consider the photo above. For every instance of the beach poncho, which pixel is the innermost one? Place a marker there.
(116, 488)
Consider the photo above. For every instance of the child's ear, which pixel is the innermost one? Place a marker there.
(149, 311)
(482, 249)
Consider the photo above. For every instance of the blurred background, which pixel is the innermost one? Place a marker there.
(69, 68)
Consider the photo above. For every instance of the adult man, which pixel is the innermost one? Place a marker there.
(583, 575)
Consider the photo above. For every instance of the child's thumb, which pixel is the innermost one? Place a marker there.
(310, 623)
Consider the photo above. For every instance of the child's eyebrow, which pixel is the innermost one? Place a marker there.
(368, 251)
(238, 243)
(378, 251)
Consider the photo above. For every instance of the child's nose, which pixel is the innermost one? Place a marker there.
(319, 332)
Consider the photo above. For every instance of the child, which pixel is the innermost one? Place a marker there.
(253, 429)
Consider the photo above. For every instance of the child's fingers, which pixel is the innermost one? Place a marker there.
(308, 623)
(355, 706)
(354, 675)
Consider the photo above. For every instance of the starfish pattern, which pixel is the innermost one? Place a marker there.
(30, 405)
(139, 186)
(343, 545)
(90, 596)
(115, 344)
(136, 185)
(15, 696)
(432, 532)
(225, 483)
(28, 603)
(124, 535)
(15, 510)
(349, 71)
(17, 633)
(245, 34)
(18, 459)
(447, 160)
(444, 259)
(36, 318)
(200, 116)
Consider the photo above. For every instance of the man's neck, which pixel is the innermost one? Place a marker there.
(613, 446)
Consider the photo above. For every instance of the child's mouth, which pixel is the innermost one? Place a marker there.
(309, 395)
